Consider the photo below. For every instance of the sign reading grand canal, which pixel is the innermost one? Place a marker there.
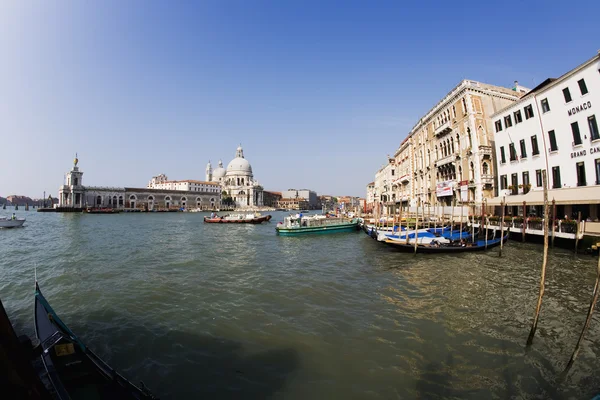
(575, 110)
(593, 150)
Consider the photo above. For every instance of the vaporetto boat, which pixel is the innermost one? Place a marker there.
(297, 225)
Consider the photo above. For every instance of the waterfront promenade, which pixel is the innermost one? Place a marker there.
(197, 310)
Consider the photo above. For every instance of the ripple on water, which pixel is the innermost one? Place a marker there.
(236, 311)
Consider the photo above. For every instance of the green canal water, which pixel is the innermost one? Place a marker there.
(234, 311)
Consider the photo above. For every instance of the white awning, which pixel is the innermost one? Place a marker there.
(578, 195)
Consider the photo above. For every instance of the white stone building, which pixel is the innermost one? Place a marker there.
(554, 128)
(189, 185)
(237, 181)
(195, 194)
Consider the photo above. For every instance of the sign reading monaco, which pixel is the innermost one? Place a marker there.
(444, 188)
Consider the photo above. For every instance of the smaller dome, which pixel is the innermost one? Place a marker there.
(219, 172)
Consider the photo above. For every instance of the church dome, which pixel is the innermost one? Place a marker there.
(239, 165)
(218, 172)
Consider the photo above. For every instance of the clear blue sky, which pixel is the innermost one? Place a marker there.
(317, 92)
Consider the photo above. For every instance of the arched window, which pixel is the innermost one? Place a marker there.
(452, 144)
(151, 198)
(121, 201)
(484, 168)
(471, 171)
(459, 173)
(132, 197)
(458, 141)
(469, 134)
(99, 200)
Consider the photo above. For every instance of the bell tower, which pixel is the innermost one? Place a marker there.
(208, 172)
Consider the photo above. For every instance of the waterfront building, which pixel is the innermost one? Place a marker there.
(237, 182)
(447, 157)
(293, 203)
(554, 127)
(73, 194)
(189, 185)
(270, 199)
(370, 199)
(382, 193)
(310, 196)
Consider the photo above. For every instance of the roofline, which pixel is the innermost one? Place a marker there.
(464, 85)
(550, 85)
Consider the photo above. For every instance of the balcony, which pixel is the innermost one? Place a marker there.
(405, 178)
(446, 127)
(446, 160)
(485, 151)
(487, 179)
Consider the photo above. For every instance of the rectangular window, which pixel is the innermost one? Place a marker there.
(576, 134)
(545, 106)
(567, 95)
(538, 177)
(518, 117)
(525, 178)
(534, 146)
(594, 134)
(523, 148)
(514, 181)
(552, 137)
(582, 86)
(528, 112)
(512, 151)
(498, 125)
(504, 182)
(556, 178)
(597, 165)
(581, 181)
(502, 155)
(507, 121)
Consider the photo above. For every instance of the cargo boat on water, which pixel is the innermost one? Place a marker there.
(299, 225)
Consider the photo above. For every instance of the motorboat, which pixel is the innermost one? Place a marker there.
(11, 223)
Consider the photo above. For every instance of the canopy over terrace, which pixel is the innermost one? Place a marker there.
(566, 196)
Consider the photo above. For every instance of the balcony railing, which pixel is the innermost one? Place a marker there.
(487, 179)
(486, 151)
(446, 160)
(443, 129)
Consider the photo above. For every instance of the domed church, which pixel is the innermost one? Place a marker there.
(237, 181)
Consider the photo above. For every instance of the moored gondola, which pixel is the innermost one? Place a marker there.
(74, 371)
(454, 247)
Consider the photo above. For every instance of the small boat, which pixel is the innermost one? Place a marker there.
(238, 219)
(296, 225)
(461, 246)
(74, 371)
(11, 223)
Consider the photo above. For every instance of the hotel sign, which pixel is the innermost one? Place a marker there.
(444, 188)
(575, 110)
(593, 150)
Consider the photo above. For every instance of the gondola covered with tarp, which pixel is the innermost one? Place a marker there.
(74, 371)
(457, 246)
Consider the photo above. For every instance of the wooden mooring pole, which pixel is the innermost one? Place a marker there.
(416, 227)
(553, 220)
(577, 231)
(461, 221)
(544, 262)
(501, 228)
(524, 222)
(587, 321)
